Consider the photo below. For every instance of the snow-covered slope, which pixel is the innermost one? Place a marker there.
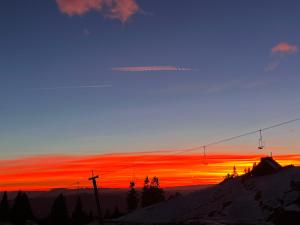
(251, 200)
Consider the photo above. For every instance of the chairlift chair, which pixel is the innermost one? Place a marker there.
(260, 141)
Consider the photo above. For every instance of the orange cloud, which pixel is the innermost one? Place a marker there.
(279, 53)
(122, 9)
(116, 170)
(285, 48)
(79, 7)
(150, 68)
(114, 9)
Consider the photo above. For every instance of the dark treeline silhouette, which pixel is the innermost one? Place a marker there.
(79, 216)
(152, 193)
(59, 214)
(21, 214)
(266, 166)
(19, 211)
(132, 197)
(4, 209)
(229, 176)
(234, 174)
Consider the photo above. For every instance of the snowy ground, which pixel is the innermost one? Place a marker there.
(239, 201)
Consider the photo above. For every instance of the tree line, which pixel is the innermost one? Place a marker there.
(151, 194)
(20, 213)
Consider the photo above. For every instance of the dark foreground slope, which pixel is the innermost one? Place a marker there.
(271, 199)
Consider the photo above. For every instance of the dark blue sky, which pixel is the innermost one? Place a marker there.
(53, 66)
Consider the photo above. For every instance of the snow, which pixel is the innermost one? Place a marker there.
(242, 201)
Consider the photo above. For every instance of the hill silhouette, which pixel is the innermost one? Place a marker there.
(251, 200)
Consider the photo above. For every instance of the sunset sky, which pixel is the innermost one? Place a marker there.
(116, 171)
(98, 80)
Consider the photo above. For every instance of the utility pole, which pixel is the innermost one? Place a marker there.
(94, 181)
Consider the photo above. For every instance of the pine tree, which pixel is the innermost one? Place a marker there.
(155, 182)
(234, 172)
(157, 193)
(59, 213)
(147, 182)
(132, 198)
(79, 216)
(4, 208)
(21, 210)
(152, 193)
(146, 193)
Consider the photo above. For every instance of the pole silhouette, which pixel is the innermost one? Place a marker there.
(94, 181)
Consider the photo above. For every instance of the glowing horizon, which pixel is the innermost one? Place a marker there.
(116, 170)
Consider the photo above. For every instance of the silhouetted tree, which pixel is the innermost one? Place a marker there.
(147, 182)
(231, 176)
(79, 216)
(234, 172)
(157, 193)
(146, 193)
(254, 165)
(4, 208)
(155, 182)
(132, 197)
(59, 213)
(21, 210)
(152, 193)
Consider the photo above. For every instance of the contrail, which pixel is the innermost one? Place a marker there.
(75, 87)
(150, 68)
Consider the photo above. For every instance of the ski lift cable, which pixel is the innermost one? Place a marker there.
(240, 136)
(204, 147)
(223, 140)
(280, 124)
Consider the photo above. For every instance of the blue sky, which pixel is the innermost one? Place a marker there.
(234, 67)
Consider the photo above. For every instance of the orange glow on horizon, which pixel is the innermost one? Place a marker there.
(116, 170)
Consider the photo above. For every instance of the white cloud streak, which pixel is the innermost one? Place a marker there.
(150, 68)
(74, 87)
